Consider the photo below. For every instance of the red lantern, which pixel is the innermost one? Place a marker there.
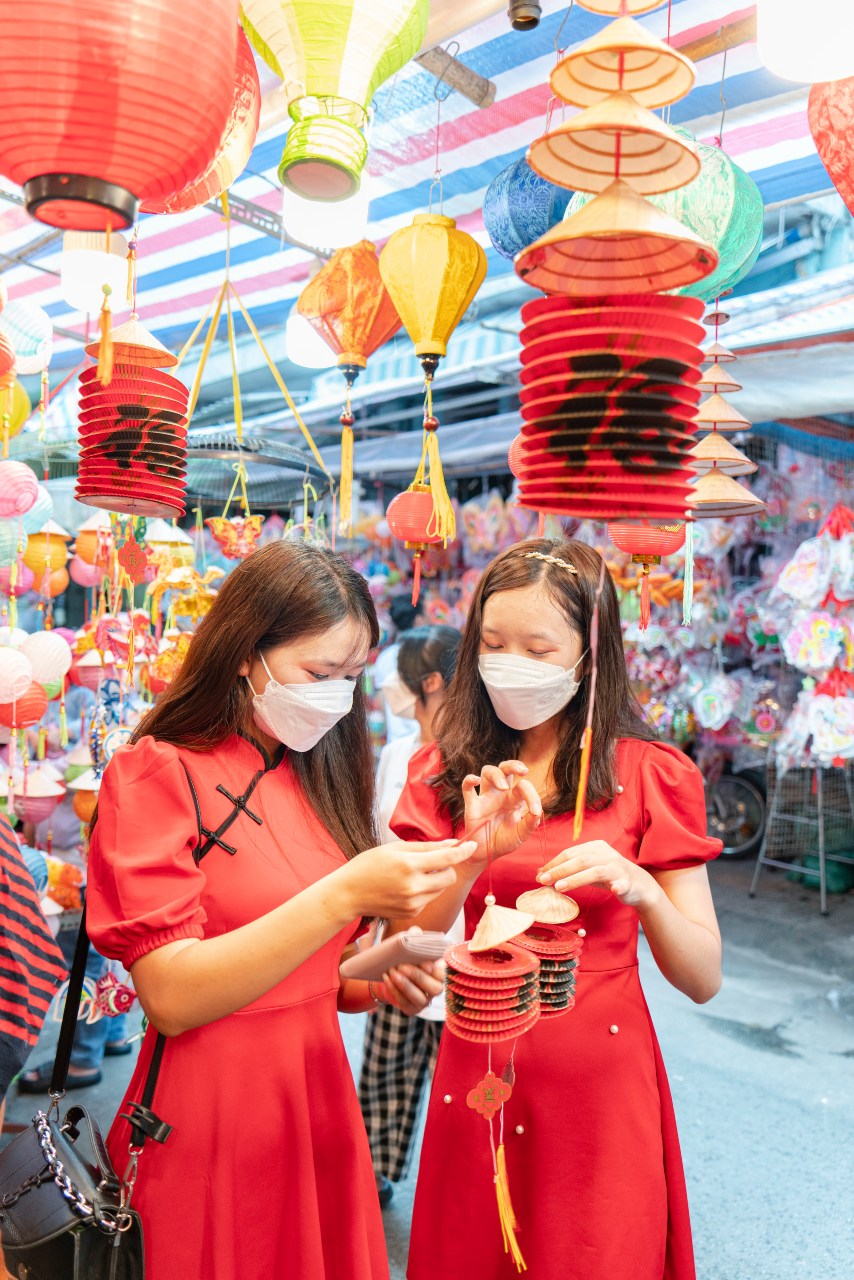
(831, 120)
(103, 106)
(514, 456)
(7, 355)
(646, 543)
(235, 145)
(28, 709)
(409, 517)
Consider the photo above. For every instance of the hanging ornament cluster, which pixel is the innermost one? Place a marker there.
(332, 59)
(432, 271)
(140, 117)
(558, 951)
(349, 306)
(133, 429)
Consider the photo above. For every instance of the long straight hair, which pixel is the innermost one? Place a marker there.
(470, 735)
(281, 593)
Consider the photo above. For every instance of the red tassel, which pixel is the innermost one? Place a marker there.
(541, 524)
(416, 578)
(644, 599)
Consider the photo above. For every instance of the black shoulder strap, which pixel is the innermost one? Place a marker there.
(145, 1124)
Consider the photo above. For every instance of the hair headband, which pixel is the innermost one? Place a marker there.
(541, 555)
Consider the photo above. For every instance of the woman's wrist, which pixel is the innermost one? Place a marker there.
(378, 993)
(652, 895)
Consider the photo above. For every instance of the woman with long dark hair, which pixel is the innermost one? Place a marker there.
(591, 1147)
(223, 874)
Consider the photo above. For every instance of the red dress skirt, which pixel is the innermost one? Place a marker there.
(267, 1172)
(593, 1158)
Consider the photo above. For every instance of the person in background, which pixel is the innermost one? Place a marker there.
(404, 615)
(400, 1051)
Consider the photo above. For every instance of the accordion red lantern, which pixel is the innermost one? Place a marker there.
(133, 442)
(104, 105)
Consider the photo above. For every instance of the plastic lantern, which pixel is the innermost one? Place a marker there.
(90, 119)
(410, 519)
(89, 261)
(39, 513)
(804, 51)
(831, 119)
(304, 346)
(19, 488)
(646, 543)
(50, 656)
(28, 327)
(11, 539)
(520, 206)
(332, 59)
(28, 709)
(16, 674)
(35, 796)
(84, 574)
(235, 145)
(328, 226)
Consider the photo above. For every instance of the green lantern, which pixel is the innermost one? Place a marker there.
(332, 57)
(723, 206)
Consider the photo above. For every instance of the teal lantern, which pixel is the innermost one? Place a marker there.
(520, 206)
(723, 206)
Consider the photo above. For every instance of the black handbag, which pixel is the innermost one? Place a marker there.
(64, 1212)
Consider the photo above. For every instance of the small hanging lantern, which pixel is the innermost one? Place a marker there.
(35, 796)
(26, 710)
(30, 330)
(646, 543)
(411, 520)
(519, 206)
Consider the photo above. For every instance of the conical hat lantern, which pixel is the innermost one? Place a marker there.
(718, 380)
(623, 55)
(718, 412)
(133, 344)
(611, 8)
(716, 494)
(714, 451)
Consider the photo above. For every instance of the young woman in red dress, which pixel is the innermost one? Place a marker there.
(222, 873)
(590, 1138)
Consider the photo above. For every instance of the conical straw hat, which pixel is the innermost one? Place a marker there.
(610, 8)
(615, 138)
(133, 344)
(718, 380)
(716, 494)
(616, 243)
(720, 412)
(719, 354)
(624, 55)
(714, 452)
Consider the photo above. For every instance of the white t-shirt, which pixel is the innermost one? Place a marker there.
(391, 779)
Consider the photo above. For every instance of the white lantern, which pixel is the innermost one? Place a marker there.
(86, 265)
(16, 674)
(50, 656)
(805, 43)
(304, 346)
(323, 225)
(12, 637)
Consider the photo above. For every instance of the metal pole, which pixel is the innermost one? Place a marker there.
(822, 866)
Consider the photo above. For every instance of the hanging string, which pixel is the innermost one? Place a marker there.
(201, 553)
(44, 401)
(131, 283)
(587, 738)
(719, 140)
(232, 345)
(688, 582)
(105, 344)
(239, 480)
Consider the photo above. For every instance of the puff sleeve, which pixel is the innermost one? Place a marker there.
(673, 811)
(144, 889)
(417, 815)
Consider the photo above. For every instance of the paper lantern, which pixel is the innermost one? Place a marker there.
(411, 520)
(235, 145)
(28, 327)
(36, 795)
(16, 674)
(26, 710)
(514, 456)
(19, 488)
(84, 805)
(12, 637)
(85, 574)
(168, 539)
(51, 585)
(47, 549)
(90, 669)
(348, 305)
(831, 120)
(39, 513)
(7, 357)
(332, 59)
(23, 583)
(623, 55)
(804, 51)
(717, 495)
(432, 271)
(304, 345)
(11, 538)
(520, 206)
(100, 108)
(89, 261)
(50, 656)
(94, 539)
(134, 345)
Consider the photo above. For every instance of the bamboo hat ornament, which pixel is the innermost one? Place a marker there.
(623, 55)
(719, 495)
(715, 452)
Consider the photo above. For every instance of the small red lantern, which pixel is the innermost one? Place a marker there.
(409, 517)
(27, 710)
(103, 106)
(646, 543)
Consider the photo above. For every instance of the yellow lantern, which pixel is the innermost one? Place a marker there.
(47, 549)
(15, 406)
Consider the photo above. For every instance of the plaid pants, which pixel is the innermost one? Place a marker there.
(399, 1054)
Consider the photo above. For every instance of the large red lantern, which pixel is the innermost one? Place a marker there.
(831, 120)
(410, 518)
(27, 710)
(104, 105)
(235, 145)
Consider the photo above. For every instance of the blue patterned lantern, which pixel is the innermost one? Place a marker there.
(520, 206)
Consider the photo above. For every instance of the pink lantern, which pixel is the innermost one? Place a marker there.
(83, 573)
(35, 797)
(91, 669)
(19, 488)
(24, 581)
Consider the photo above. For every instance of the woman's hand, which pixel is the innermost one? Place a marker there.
(411, 987)
(502, 809)
(397, 881)
(597, 863)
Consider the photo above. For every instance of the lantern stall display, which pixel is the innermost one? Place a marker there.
(84, 180)
(349, 306)
(332, 60)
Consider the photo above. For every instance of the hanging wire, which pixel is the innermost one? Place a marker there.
(560, 50)
(441, 97)
(719, 140)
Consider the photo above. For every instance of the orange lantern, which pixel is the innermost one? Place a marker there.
(646, 543)
(27, 710)
(410, 519)
(348, 305)
(51, 586)
(47, 549)
(84, 804)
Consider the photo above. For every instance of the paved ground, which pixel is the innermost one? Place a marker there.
(763, 1080)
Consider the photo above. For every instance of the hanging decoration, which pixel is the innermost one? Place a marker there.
(90, 260)
(150, 140)
(831, 119)
(646, 543)
(15, 408)
(332, 59)
(235, 145)
(411, 520)
(27, 327)
(349, 306)
(237, 537)
(520, 206)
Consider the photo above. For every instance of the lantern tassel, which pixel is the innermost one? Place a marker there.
(644, 598)
(688, 584)
(506, 1214)
(105, 346)
(541, 524)
(63, 723)
(416, 577)
(583, 777)
(346, 488)
(443, 522)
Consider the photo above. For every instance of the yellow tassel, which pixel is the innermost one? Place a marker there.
(130, 654)
(346, 515)
(583, 776)
(443, 522)
(41, 750)
(105, 346)
(506, 1214)
(131, 271)
(63, 724)
(5, 435)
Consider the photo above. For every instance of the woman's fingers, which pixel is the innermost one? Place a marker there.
(492, 776)
(530, 795)
(513, 767)
(584, 852)
(593, 875)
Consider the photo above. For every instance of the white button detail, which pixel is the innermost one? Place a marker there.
(582, 933)
(614, 1029)
(520, 1129)
(448, 1098)
(619, 789)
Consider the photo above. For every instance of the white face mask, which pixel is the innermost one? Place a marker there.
(400, 698)
(299, 714)
(525, 692)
